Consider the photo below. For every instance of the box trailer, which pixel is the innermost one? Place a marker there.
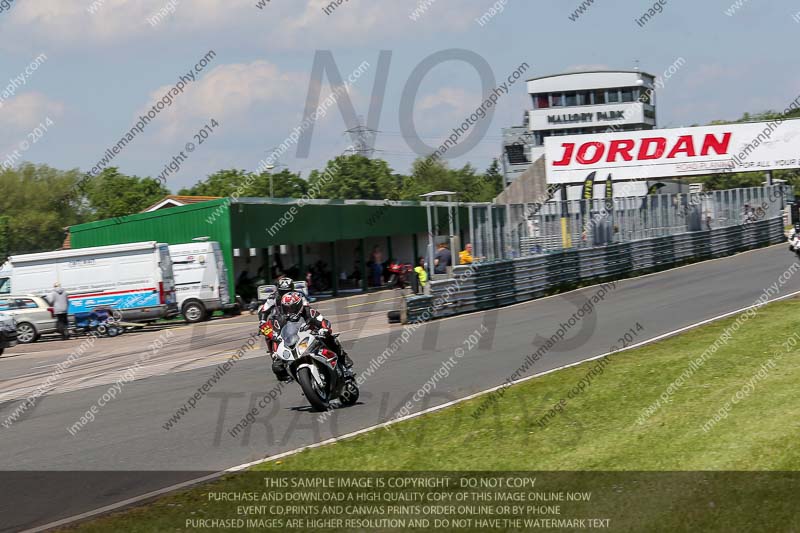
(136, 278)
(201, 279)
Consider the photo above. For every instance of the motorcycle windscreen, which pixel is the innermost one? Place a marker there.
(290, 333)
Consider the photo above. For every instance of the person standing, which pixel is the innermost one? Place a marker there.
(60, 303)
(422, 275)
(465, 255)
(377, 266)
(442, 259)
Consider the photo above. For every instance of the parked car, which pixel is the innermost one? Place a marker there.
(33, 315)
(8, 332)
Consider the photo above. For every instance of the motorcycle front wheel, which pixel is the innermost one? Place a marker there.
(349, 394)
(317, 398)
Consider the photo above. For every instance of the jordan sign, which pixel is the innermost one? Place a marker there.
(630, 155)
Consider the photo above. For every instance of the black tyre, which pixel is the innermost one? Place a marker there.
(350, 393)
(193, 312)
(26, 333)
(318, 399)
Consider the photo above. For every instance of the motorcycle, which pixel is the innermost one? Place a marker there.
(399, 274)
(316, 368)
(794, 243)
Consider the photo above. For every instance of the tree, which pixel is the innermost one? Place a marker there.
(434, 175)
(494, 176)
(5, 234)
(285, 184)
(353, 177)
(428, 175)
(733, 180)
(112, 194)
(39, 203)
(220, 183)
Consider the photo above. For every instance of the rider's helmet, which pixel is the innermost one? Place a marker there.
(285, 285)
(291, 305)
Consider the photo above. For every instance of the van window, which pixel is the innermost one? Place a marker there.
(5, 285)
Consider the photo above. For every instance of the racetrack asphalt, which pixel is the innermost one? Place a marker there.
(49, 474)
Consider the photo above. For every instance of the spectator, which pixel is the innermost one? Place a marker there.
(60, 303)
(442, 259)
(377, 266)
(422, 275)
(749, 214)
(465, 255)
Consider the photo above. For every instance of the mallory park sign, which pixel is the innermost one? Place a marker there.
(573, 118)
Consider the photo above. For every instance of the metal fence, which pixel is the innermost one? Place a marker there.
(520, 230)
(496, 283)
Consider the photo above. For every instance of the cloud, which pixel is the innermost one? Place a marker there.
(452, 102)
(21, 114)
(238, 94)
(356, 22)
(109, 21)
(280, 24)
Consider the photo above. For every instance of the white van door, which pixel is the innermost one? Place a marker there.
(222, 275)
(167, 282)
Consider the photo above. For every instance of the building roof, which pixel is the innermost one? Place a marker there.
(592, 72)
(174, 200)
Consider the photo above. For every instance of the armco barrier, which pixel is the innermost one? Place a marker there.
(497, 283)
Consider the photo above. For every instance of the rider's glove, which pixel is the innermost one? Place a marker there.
(324, 332)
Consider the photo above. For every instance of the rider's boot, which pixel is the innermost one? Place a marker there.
(279, 369)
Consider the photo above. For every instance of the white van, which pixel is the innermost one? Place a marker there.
(134, 278)
(201, 279)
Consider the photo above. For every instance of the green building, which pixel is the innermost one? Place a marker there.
(263, 237)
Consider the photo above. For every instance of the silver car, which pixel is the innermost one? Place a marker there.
(33, 314)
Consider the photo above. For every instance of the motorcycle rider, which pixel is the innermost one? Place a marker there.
(285, 285)
(290, 304)
(794, 237)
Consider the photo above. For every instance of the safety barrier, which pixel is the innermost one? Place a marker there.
(497, 283)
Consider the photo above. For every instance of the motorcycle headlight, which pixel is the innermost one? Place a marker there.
(302, 346)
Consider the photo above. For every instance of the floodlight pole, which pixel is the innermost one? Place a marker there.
(471, 229)
(430, 239)
(450, 221)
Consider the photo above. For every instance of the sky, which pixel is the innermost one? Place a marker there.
(104, 63)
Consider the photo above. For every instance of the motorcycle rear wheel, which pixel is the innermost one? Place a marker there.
(317, 400)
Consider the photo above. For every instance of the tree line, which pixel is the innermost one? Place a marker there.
(39, 202)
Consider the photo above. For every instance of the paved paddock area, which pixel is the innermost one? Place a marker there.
(167, 348)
